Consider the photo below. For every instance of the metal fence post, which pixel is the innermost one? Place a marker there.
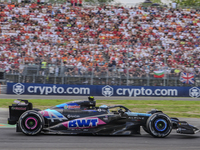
(44, 80)
(63, 78)
(127, 75)
(127, 70)
(19, 78)
(107, 76)
(33, 78)
(148, 80)
(92, 76)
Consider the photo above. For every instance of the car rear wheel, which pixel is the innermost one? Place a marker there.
(31, 122)
(159, 125)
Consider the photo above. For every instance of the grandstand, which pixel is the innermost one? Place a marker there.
(116, 45)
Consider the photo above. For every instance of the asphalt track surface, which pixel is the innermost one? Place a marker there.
(10, 140)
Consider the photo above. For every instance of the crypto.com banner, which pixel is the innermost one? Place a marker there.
(101, 90)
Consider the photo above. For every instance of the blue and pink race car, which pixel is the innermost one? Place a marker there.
(83, 117)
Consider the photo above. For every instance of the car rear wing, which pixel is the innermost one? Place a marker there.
(17, 109)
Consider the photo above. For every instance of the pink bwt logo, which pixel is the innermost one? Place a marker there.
(84, 123)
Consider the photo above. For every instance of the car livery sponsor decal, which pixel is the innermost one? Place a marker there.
(136, 118)
(73, 116)
(133, 114)
(53, 115)
(90, 122)
(183, 123)
(18, 108)
(105, 118)
(69, 106)
(72, 107)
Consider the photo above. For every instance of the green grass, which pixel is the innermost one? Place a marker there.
(186, 109)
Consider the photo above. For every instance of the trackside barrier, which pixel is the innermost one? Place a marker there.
(101, 90)
(3, 89)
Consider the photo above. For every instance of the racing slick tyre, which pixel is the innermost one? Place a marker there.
(31, 122)
(159, 125)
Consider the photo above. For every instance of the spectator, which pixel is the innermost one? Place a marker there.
(12, 68)
(51, 69)
(43, 67)
(77, 36)
(174, 5)
(42, 1)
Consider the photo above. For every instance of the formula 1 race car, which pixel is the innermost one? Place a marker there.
(83, 117)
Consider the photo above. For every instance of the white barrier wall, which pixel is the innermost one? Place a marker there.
(3, 89)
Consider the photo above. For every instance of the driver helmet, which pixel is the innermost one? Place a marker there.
(91, 98)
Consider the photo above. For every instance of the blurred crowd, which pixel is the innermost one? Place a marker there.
(133, 40)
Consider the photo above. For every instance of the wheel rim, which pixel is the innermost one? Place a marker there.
(31, 123)
(160, 125)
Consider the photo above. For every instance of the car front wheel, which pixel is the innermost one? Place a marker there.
(159, 125)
